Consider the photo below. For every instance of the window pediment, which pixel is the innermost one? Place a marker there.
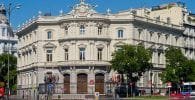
(100, 46)
(119, 44)
(82, 46)
(65, 46)
(49, 45)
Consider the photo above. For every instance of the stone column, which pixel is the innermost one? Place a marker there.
(73, 81)
(91, 81)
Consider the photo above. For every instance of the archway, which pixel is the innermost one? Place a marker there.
(99, 83)
(82, 83)
(66, 83)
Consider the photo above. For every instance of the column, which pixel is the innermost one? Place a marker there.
(91, 77)
(73, 82)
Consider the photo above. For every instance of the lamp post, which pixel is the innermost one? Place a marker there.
(9, 9)
(151, 74)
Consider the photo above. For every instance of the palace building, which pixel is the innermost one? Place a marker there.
(74, 49)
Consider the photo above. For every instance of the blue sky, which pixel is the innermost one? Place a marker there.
(31, 7)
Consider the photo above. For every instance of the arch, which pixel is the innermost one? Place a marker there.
(66, 83)
(82, 83)
(99, 83)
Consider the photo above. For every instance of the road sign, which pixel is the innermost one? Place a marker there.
(91, 82)
(97, 94)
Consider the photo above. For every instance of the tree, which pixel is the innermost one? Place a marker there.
(132, 61)
(178, 67)
(12, 68)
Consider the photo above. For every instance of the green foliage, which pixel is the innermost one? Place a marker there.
(131, 60)
(178, 67)
(4, 68)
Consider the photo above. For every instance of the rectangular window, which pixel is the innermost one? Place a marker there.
(99, 54)
(49, 35)
(159, 58)
(66, 54)
(120, 33)
(99, 30)
(3, 31)
(66, 30)
(82, 29)
(49, 55)
(82, 53)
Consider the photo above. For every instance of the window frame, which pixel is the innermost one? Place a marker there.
(99, 54)
(49, 55)
(82, 30)
(82, 56)
(120, 33)
(66, 54)
(49, 35)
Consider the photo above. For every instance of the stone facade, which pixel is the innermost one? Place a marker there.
(78, 46)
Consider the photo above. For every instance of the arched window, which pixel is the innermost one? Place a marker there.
(49, 35)
(66, 83)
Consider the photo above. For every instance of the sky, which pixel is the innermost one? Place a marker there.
(30, 8)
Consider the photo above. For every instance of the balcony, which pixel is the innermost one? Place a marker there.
(161, 23)
(6, 49)
(64, 37)
(84, 63)
(65, 63)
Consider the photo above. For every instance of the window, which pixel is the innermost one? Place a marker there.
(82, 53)
(159, 57)
(151, 34)
(120, 33)
(168, 20)
(66, 54)
(3, 31)
(99, 55)
(139, 33)
(82, 29)
(49, 55)
(99, 30)
(49, 35)
(66, 30)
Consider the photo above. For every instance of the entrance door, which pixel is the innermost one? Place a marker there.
(99, 83)
(67, 84)
(82, 83)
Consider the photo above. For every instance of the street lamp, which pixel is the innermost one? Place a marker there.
(9, 9)
(151, 91)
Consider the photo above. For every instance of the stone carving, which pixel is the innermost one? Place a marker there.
(82, 10)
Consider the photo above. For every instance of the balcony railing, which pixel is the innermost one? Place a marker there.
(84, 36)
(6, 49)
(153, 21)
(66, 63)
